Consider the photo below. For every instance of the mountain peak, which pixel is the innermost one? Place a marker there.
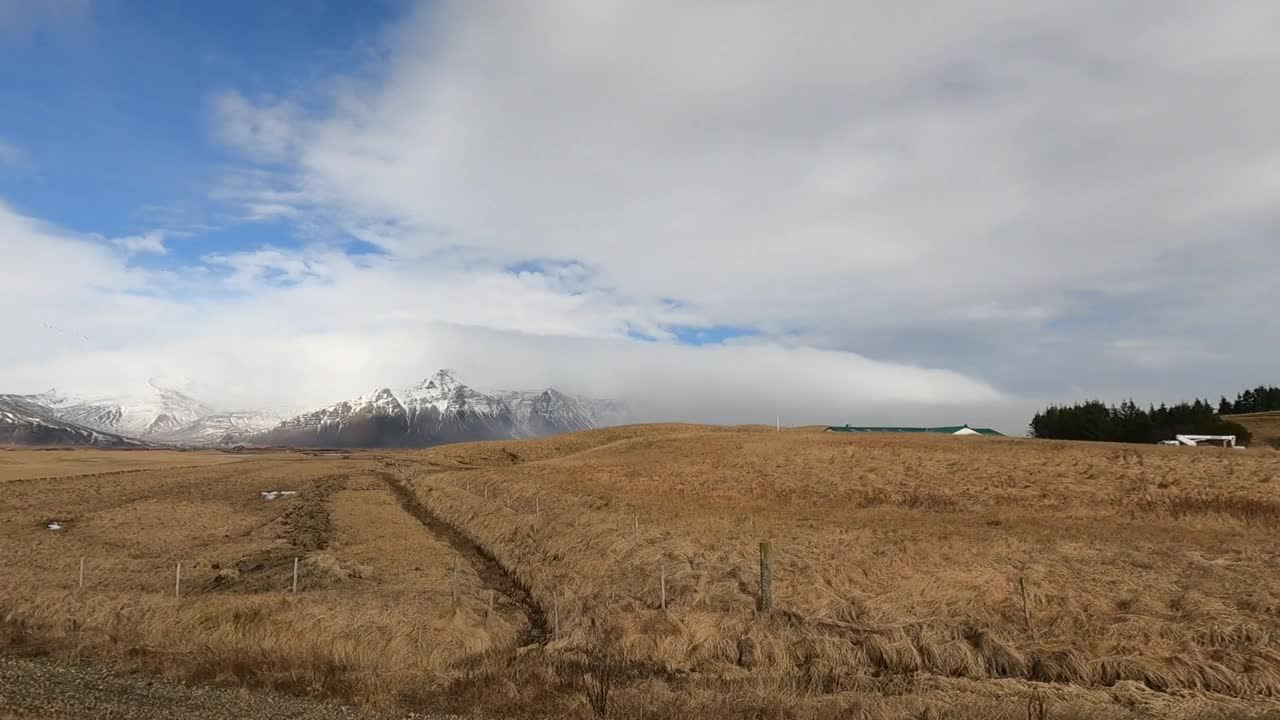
(444, 378)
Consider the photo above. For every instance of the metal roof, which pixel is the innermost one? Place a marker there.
(945, 430)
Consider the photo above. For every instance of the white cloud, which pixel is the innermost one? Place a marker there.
(832, 168)
(150, 242)
(314, 325)
(267, 131)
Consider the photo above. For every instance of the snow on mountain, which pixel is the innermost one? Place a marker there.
(156, 410)
(551, 411)
(158, 413)
(441, 409)
(23, 422)
(219, 429)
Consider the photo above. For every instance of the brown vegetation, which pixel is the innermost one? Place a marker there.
(28, 463)
(1265, 427)
(914, 576)
(374, 612)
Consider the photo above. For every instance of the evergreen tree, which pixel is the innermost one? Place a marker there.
(1093, 420)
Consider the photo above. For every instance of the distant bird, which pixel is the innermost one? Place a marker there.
(60, 331)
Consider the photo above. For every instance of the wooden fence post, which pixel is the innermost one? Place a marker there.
(295, 575)
(1026, 607)
(177, 582)
(764, 603)
(81, 572)
(537, 507)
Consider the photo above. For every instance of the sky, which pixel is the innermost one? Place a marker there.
(923, 212)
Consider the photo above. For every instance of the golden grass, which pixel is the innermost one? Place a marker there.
(373, 618)
(896, 556)
(27, 463)
(1150, 576)
(1264, 426)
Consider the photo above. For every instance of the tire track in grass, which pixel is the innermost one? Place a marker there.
(491, 572)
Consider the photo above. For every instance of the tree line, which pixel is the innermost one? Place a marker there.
(1260, 399)
(1126, 422)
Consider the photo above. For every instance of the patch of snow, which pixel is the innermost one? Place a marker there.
(269, 495)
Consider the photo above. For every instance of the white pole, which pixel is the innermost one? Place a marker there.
(295, 575)
(177, 582)
(82, 572)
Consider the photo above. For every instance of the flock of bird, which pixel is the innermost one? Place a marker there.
(60, 331)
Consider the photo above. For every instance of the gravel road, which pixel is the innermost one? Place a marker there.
(41, 690)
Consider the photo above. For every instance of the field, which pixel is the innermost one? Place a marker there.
(913, 576)
(21, 464)
(1265, 427)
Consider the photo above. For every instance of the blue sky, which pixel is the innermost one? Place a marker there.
(681, 204)
(110, 105)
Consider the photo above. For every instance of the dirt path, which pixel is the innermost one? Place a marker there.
(485, 565)
(42, 690)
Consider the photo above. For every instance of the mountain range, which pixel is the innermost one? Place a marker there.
(439, 409)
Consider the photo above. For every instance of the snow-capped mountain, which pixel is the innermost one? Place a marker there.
(155, 410)
(440, 409)
(157, 414)
(219, 428)
(23, 422)
(551, 411)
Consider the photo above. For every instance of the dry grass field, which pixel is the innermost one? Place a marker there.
(374, 611)
(24, 463)
(1265, 427)
(914, 576)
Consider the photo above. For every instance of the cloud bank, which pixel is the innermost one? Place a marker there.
(930, 212)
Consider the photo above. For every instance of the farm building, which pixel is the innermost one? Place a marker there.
(948, 430)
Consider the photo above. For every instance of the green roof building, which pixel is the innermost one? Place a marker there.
(948, 430)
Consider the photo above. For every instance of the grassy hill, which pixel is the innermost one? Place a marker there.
(1265, 426)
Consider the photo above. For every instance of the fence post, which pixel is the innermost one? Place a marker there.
(295, 575)
(177, 582)
(537, 507)
(1026, 607)
(82, 572)
(764, 603)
